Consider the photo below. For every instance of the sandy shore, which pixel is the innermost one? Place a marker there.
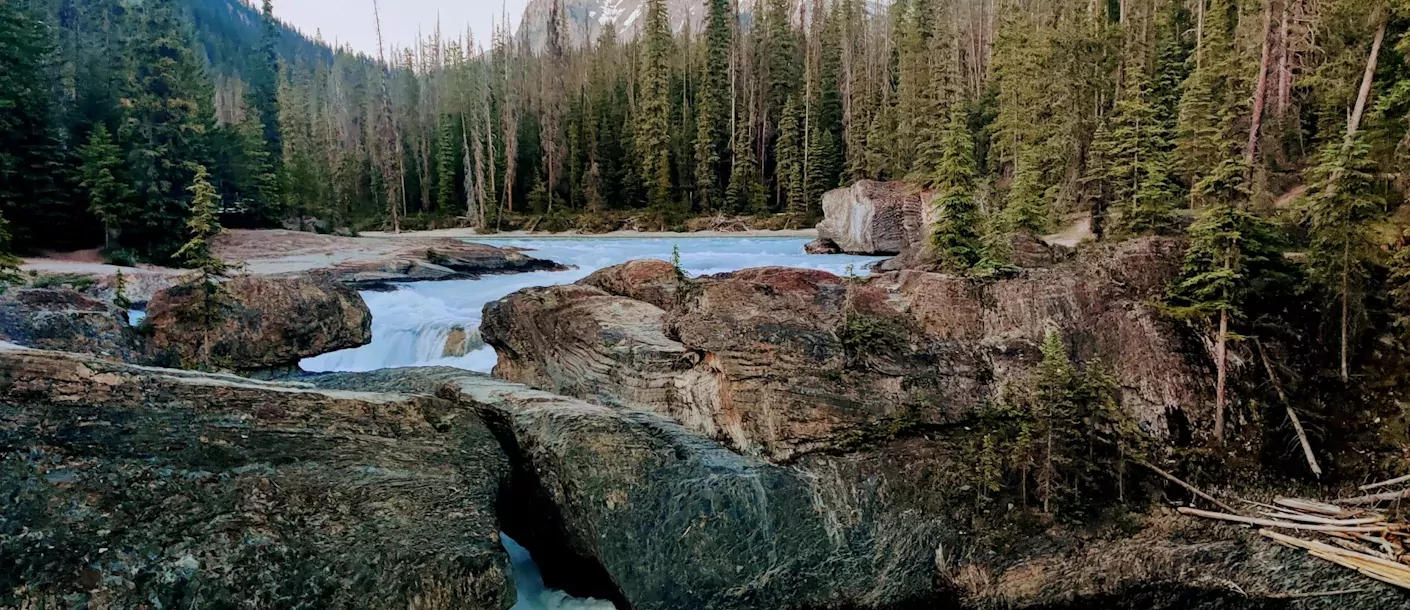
(471, 234)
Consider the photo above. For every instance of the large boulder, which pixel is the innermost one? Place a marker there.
(649, 280)
(255, 323)
(131, 487)
(782, 362)
(875, 218)
(65, 320)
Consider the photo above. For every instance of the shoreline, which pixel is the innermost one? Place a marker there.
(472, 234)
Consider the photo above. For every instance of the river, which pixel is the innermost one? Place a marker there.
(411, 326)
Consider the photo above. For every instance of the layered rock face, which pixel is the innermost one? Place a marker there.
(870, 217)
(675, 521)
(781, 362)
(130, 487)
(63, 319)
(255, 323)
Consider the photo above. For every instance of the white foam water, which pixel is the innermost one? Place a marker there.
(530, 592)
(411, 325)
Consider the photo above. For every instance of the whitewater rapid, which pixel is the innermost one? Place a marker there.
(412, 324)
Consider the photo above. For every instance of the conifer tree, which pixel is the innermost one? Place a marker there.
(1026, 209)
(264, 84)
(30, 157)
(789, 156)
(712, 115)
(1341, 206)
(166, 127)
(1233, 257)
(654, 105)
(203, 226)
(1133, 168)
(257, 177)
(1213, 100)
(956, 230)
(447, 160)
(747, 194)
(109, 196)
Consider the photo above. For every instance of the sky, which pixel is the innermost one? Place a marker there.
(350, 21)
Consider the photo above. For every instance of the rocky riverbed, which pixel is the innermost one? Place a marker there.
(761, 438)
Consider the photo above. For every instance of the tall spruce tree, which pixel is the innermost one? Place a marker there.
(1233, 258)
(653, 120)
(712, 116)
(789, 169)
(31, 160)
(956, 232)
(166, 128)
(1341, 207)
(101, 173)
(264, 84)
(1134, 170)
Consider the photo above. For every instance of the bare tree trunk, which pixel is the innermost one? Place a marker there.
(1354, 123)
(1260, 95)
(1284, 61)
(1199, 34)
(1221, 357)
(1345, 308)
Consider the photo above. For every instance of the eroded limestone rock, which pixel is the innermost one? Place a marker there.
(255, 323)
(133, 487)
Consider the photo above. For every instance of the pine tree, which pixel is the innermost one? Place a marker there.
(1233, 257)
(956, 229)
(1133, 160)
(166, 126)
(653, 118)
(203, 226)
(713, 105)
(256, 176)
(747, 194)
(447, 160)
(30, 157)
(109, 196)
(789, 154)
(1341, 206)
(264, 85)
(1212, 102)
(1027, 210)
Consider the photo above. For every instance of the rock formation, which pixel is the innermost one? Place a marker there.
(781, 362)
(650, 280)
(870, 217)
(255, 323)
(129, 487)
(63, 319)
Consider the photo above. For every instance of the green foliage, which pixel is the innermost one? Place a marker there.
(1134, 151)
(120, 299)
(448, 164)
(76, 281)
(1062, 436)
(1398, 290)
(956, 232)
(203, 226)
(1234, 257)
(676, 262)
(863, 334)
(31, 160)
(109, 197)
(653, 119)
(1207, 132)
(789, 171)
(1027, 210)
(167, 121)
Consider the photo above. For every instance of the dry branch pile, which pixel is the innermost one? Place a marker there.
(1351, 532)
